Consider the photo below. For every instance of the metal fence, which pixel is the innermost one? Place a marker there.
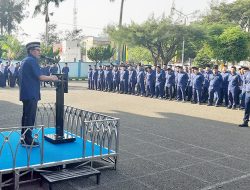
(91, 127)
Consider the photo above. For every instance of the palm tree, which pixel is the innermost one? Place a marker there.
(11, 12)
(43, 7)
(120, 24)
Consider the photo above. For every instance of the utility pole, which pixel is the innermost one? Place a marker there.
(47, 23)
(75, 11)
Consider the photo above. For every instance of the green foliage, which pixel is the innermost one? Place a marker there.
(11, 47)
(159, 36)
(233, 45)
(100, 53)
(49, 52)
(204, 56)
(11, 13)
(139, 54)
(42, 6)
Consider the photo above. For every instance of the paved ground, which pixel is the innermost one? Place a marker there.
(163, 145)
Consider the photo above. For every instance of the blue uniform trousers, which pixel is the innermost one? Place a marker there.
(224, 96)
(131, 87)
(116, 86)
(204, 94)
(150, 90)
(94, 84)
(159, 89)
(108, 85)
(101, 85)
(169, 92)
(242, 99)
(214, 96)
(28, 117)
(247, 107)
(233, 96)
(196, 95)
(124, 86)
(189, 93)
(181, 95)
(141, 88)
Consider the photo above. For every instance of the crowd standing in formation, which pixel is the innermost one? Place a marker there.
(9, 73)
(228, 87)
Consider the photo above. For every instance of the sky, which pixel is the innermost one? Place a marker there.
(94, 15)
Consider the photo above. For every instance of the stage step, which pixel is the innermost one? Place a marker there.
(66, 174)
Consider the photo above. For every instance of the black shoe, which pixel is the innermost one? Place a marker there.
(209, 104)
(233, 107)
(229, 107)
(216, 105)
(243, 125)
(29, 143)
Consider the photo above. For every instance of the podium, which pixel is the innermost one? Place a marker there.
(60, 135)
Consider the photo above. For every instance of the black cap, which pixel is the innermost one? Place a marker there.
(32, 45)
(246, 68)
(233, 67)
(195, 68)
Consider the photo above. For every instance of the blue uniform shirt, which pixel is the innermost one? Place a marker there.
(206, 75)
(65, 70)
(234, 81)
(140, 77)
(159, 78)
(182, 79)
(198, 81)
(225, 79)
(215, 81)
(29, 79)
(132, 76)
(100, 75)
(94, 74)
(116, 76)
(247, 81)
(170, 79)
(150, 78)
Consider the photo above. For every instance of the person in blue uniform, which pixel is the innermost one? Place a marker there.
(53, 70)
(190, 84)
(243, 89)
(224, 89)
(124, 80)
(11, 75)
(150, 81)
(169, 83)
(108, 79)
(215, 84)
(116, 79)
(198, 81)
(65, 71)
(94, 78)
(181, 84)
(159, 82)
(90, 75)
(206, 75)
(176, 72)
(100, 78)
(140, 81)
(2, 77)
(233, 88)
(131, 80)
(247, 101)
(16, 73)
(6, 73)
(30, 77)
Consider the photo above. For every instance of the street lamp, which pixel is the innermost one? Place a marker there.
(185, 16)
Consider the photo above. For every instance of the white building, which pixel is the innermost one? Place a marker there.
(73, 51)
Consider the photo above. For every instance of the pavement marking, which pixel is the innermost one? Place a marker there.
(220, 185)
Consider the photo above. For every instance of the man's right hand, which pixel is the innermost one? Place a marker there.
(54, 78)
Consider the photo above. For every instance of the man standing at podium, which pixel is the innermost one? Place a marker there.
(30, 77)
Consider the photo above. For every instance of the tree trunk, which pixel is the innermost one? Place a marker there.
(120, 25)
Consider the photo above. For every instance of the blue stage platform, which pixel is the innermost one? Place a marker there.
(53, 153)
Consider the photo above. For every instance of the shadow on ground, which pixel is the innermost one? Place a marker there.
(170, 152)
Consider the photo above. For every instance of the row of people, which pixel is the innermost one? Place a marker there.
(197, 85)
(9, 74)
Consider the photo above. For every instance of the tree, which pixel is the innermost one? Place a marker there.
(233, 45)
(73, 35)
(237, 13)
(204, 56)
(53, 35)
(11, 14)
(43, 7)
(159, 36)
(11, 47)
(139, 54)
(100, 53)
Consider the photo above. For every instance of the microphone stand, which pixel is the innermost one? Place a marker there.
(60, 136)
